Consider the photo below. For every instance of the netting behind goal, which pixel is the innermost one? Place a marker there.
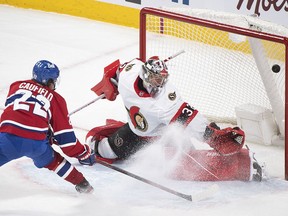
(227, 62)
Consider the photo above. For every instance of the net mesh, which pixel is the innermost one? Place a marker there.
(218, 71)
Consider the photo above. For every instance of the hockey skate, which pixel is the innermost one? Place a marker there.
(260, 173)
(258, 169)
(84, 187)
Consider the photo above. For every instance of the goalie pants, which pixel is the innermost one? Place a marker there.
(125, 143)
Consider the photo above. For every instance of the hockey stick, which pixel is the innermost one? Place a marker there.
(203, 195)
(82, 107)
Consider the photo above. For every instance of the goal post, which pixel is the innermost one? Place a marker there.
(231, 62)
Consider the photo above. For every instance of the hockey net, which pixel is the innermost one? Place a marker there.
(227, 62)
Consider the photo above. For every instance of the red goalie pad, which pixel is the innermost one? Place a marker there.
(105, 86)
(208, 165)
(98, 133)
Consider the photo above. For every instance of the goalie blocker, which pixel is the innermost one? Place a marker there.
(196, 165)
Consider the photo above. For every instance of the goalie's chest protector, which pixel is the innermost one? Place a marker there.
(146, 115)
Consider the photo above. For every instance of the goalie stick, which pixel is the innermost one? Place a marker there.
(82, 107)
(173, 56)
(197, 197)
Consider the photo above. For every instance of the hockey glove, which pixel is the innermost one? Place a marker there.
(87, 157)
(225, 141)
(51, 138)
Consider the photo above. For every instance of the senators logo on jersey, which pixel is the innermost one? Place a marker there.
(138, 120)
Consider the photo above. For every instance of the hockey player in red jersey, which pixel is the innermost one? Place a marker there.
(152, 104)
(34, 118)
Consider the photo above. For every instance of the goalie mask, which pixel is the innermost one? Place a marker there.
(155, 74)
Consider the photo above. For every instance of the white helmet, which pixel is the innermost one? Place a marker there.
(155, 74)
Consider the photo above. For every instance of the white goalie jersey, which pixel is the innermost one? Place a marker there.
(149, 115)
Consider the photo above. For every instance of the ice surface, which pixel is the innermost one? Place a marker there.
(82, 48)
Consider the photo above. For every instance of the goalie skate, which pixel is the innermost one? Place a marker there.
(260, 173)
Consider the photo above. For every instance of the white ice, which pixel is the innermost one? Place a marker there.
(81, 48)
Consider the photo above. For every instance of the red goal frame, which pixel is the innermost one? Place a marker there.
(219, 26)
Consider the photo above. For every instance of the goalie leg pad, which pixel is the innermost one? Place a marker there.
(208, 165)
(105, 150)
(98, 133)
(96, 138)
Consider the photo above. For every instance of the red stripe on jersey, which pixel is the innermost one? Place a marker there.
(185, 114)
(28, 134)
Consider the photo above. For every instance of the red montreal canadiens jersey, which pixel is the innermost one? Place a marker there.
(148, 115)
(29, 110)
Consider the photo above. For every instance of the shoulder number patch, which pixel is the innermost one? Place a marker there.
(185, 114)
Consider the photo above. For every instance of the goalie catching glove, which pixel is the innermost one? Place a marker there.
(225, 141)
